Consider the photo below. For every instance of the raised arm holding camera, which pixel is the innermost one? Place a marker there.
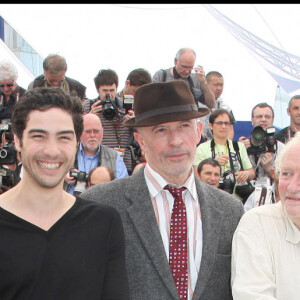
(112, 115)
(262, 147)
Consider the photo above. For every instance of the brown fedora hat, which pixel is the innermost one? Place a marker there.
(162, 102)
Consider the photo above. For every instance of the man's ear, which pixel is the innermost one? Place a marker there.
(139, 139)
(199, 130)
(17, 143)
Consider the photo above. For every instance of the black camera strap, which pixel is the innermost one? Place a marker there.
(237, 151)
(263, 195)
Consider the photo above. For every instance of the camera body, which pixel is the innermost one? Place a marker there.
(262, 140)
(6, 129)
(227, 182)
(79, 175)
(8, 153)
(109, 111)
(128, 102)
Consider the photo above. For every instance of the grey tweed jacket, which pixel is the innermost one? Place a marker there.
(148, 269)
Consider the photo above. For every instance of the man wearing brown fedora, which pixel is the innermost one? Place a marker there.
(181, 251)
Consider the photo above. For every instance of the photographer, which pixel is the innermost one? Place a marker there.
(234, 163)
(10, 166)
(91, 154)
(262, 158)
(184, 62)
(10, 91)
(115, 135)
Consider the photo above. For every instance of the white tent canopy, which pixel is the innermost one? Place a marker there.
(124, 37)
(24, 76)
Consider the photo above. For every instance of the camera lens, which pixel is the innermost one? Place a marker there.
(109, 111)
(258, 136)
(3, 153)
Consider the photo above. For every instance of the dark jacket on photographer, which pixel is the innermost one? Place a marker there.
(72, 85)
(6, 107)
(107, 157)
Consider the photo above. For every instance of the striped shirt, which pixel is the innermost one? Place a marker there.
(163, 201)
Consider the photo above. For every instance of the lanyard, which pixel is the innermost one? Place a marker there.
(116, 126)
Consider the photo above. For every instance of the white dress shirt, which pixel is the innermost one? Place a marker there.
(163, 201)
(266, 255)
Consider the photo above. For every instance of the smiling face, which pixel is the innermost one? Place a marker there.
(170, 148)
(289, 183)
(47, 148)
(210, 174)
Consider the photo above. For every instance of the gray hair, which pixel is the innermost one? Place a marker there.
(8, 71)
(182, 51)
(290, 144)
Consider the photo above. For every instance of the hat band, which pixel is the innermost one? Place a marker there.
(166, 110)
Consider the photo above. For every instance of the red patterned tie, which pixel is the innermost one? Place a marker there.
(178, 242)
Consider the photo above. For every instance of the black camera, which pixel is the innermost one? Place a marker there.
(227, 182)
(6, 129)
(110, 109)
(262, 140)
(128, 102)
(9, 177)
(244, 191)
(79, 175)
(8, 155)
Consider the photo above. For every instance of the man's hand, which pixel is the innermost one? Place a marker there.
(200, 73)
(222, 159)
(245, 141)
(241, 177)
(70, 179)
(129, 115)
(96, 108)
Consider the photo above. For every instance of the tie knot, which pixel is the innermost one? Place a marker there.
(175, 191)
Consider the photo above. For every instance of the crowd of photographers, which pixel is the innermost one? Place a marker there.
(243, 168)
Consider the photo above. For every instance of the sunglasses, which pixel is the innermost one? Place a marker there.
(6, 84)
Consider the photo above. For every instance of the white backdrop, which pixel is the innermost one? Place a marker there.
(124, 37)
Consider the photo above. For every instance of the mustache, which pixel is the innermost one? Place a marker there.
(177, 152)
(92, 140)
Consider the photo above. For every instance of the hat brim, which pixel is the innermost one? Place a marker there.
(171, 117)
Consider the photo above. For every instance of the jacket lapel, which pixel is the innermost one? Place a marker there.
(142, 215)
(212, 219)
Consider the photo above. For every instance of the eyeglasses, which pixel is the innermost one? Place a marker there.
(6, 84)
(92, 131)
(221, 123)
(187, 67)
(261, 116)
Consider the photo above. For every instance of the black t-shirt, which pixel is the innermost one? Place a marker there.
(81, 257)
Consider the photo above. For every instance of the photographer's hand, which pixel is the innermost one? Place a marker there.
(96, 108)
(222, 159)
(69, 179)
(266, 162)
(129, 115)
(245, 141)
(241, 177)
